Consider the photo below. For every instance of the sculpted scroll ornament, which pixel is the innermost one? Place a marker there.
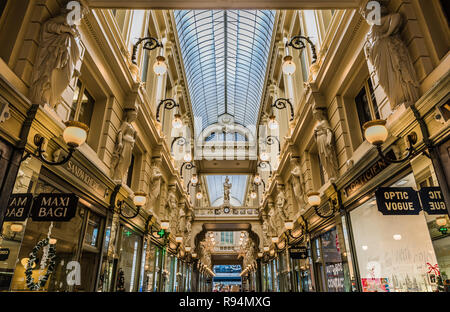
(390, 57)
(123, 149)
(57, 57)
(325, 144)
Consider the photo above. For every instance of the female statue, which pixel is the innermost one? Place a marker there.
(58, 54)
(390, 57)
(155, 180)
(325, 144)
(123, 150)
(297, 181)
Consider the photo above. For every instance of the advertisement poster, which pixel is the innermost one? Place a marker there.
(375, 284)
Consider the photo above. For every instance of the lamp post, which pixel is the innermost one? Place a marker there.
(265, 164)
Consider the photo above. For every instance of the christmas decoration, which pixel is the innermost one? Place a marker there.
(49, 254)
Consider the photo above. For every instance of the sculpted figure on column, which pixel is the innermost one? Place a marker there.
(155, 180)
(281, 202)
(181, 219)
(123, 149)
(325, 143)
(298, 186)
(57, 56)
(389, 55)
(172, 203)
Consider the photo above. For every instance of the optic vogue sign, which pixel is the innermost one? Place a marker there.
(397, 201)
(405, 201)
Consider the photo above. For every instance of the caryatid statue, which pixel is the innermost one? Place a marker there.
(155, 180)
(226, 190)
(181, 218)
(123, 149)
(57, 57)
(390, 57)
(281, 202)
(297, 183)
(325, 143)
(172, 203)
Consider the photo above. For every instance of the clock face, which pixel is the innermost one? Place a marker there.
(226, 209)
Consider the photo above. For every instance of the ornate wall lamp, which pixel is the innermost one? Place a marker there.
(314, 201)
(289, 225)
(270, 140)
(75, 134)
(161, 233)
(169, 104)
(376, 134)
(280, 103)
(186, 165)
(299, 43)
(265, 164)
(139, 200)
(151, 43)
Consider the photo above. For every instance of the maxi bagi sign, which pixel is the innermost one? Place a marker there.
(405, 201)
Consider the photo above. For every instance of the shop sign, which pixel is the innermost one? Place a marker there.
(18, 207)
(432, 200)
(4, 254)
(298, 252)
(54, 207)
(368, 175)
(82, 175)
(397, 201)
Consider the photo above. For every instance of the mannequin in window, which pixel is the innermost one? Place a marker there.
(325, 143)
(123, 149)
(389, 55)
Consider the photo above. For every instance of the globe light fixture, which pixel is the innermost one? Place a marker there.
(140, 198)
(264, 156)
(75, 133)
(177, 123)
(160, 67)
(397, 237)
(257, 178)
(16, 227)
(194, 179)
(52, 241)
(187, 157)
(253, 194)
(273, 123)
(199, 195)
(266, 248)
(260, 254)
(289, 225)
(165, 225)
(274, 239)
(288, 65)
(179, 239)
(194, 255)
(375, 131)
(441, 221)
(313, 199)
(187, 248)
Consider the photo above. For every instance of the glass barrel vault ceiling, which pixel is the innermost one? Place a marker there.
(207, 39)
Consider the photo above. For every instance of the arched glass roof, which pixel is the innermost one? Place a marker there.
(207, 39)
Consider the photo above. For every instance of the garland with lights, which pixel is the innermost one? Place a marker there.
(51, 255)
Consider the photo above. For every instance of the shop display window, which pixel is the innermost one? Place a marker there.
(394, 252)
(129, 262)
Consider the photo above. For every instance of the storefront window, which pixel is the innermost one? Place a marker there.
(128, 269)
(149, 267)
(394, 252)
